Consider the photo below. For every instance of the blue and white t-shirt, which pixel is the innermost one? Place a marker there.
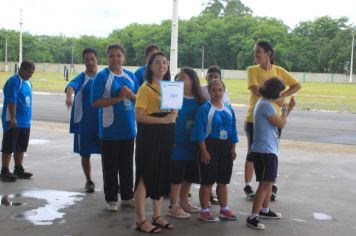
(116, 122)
(265, 134)
(184, 148)
(140, 75)
(19, 92)
(82, 85)
(216, 123)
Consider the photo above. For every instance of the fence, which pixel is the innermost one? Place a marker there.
(231, 74)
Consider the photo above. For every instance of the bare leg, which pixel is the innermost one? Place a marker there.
(6, 158)
(249, 169)
(204, 195)
(221, 191)
(175, 189)
(184, 191)
(86, 168)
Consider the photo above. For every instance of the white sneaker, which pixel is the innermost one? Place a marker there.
(111, 206)
(128, 203)
(177, 212)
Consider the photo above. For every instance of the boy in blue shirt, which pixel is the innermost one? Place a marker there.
(140, 72)
(84, 122)
(264, 148)
(16, 121)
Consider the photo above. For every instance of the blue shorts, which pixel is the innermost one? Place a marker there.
(266, 166)
(86, 145)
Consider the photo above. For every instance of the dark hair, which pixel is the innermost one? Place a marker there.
(27, 65)
(149, 73)
(196, 88)
(267, 46)
(272, 88)
(149, 48)
(213, 82)
(90, 50)
(215, 68)
(115, 46)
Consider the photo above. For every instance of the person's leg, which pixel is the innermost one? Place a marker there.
(249, 168)
(221, 191)
(8, 147)
(86, 166)
(174, 194)
(184, 191)
(125, 166)
(110, 170)
(21, 147)
(204, 195)
(157, 219)
(6, 158)
(140, 202)
(260, 196)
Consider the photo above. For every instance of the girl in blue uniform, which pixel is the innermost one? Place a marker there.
(183, 166)
(84, 118)
(114, 90)
(215, 131)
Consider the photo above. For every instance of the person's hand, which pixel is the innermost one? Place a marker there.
(130, 95)
(123, 93)
(233, 154)
(13, 123)
(170, 118)
(69, 101)
(205, 157)
(279, 101)
(291, 104)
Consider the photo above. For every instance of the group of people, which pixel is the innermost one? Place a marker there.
(117, 113)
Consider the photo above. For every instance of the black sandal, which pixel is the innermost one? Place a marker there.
(152, 231)
(163, 226)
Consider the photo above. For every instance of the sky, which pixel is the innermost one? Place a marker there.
(73, 18)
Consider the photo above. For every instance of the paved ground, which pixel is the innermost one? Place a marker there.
(316, 193)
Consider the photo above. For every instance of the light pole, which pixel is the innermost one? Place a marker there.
(174, 41)
(352, 56)
(20, 44)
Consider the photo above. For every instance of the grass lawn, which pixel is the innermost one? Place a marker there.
(316, 96)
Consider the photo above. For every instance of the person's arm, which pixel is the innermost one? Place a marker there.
(205, 156)
(104, 102)
(233, 151)
(12, 110)
(142, 117)
(281, 121)
(291, 90)
(69, 97)
(254, 90)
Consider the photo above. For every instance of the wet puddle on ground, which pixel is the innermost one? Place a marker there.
(321, 216)
(45, 215)
(38, 141)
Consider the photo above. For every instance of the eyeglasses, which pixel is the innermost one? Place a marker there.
(166, 63)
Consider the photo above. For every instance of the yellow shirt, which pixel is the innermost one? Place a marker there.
(257, 76)
(148, 99)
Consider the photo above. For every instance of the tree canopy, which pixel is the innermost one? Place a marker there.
(225, 29)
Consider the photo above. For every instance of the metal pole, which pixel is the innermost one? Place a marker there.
(20, 45)
(174, 41)
(352, 57)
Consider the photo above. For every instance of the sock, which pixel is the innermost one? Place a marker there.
(173, 205)
(247, 184)
(204, 210)
(265, 210)
(4, 170)
(18, 167)
(224, 208)
(253, 215)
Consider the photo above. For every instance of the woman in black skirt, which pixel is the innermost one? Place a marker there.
(154, 145)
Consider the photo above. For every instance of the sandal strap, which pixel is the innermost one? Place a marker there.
(140, 224)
